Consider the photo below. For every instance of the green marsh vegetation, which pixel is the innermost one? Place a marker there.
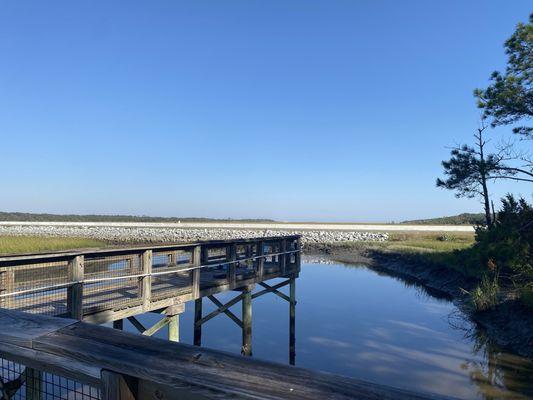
(36, 244)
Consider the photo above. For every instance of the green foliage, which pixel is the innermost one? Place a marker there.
(467, 169)
(509, 243)
(526, 295)
(509, 98)
(461, 219)
(485, 295)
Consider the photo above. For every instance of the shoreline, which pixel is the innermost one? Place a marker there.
(515, 334)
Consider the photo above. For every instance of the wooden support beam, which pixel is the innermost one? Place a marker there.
(150, 331)
(246, 349)
(292, 321)
(174, 309)
(75, 291)
(157, 326)
(174, 328)
(272, 289)
(118, 324)
(197, 322)
(135, 322)
(116, 386)
(224, 308)
(221, 308)
(147, 280)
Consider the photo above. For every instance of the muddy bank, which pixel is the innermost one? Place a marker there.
(509, 325)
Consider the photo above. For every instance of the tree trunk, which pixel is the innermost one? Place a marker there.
(483, 175)
(488, 217)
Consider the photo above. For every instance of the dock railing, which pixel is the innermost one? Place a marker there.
(44, 357)
(103, 285)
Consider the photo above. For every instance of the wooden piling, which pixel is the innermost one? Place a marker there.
(174, 328)
(246, 322)
(292, 320)
(197, 322)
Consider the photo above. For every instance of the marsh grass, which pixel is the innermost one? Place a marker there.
(36, 244)
(485, 295)
(429, 242)
(434, 249)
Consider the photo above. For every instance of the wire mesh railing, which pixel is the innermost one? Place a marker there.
(78, 284)
(20, 382)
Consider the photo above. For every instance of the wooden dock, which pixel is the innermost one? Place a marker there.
(51, 305)
(110, 364)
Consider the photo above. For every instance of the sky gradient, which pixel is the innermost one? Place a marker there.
(292, 110)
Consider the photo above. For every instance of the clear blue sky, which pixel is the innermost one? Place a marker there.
(293, 110)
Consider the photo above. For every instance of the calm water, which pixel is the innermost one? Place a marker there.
(353, 321)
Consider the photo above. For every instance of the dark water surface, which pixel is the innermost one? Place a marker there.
(353, 321)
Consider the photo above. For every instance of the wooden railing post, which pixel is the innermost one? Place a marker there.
(7, 276)
(147, 279)
(283, 257)
(196, 263)
(298, 255)
(260, 260)
(34, 381)
(115, 386)
(232, 270)
(204, 255)
(75, 290)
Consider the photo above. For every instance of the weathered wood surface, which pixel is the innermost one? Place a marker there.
(172, 369)
(67, 255)
(105, 285)
(21, 328)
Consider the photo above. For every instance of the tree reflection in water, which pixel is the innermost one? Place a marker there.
(496, 373)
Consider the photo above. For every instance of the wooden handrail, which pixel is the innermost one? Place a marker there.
(129, 366)
(67, 255)
(26, 276)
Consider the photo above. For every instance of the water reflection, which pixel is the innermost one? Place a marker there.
(368, 325)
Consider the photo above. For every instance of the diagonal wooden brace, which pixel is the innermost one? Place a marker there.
(222, 308)
(273, 289)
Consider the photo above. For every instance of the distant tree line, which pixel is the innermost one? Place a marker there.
(31, 217)
(461, 219)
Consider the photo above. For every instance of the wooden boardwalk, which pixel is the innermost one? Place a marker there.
(112, 284)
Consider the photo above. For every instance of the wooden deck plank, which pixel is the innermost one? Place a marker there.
(23, 327)
(207, 372)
